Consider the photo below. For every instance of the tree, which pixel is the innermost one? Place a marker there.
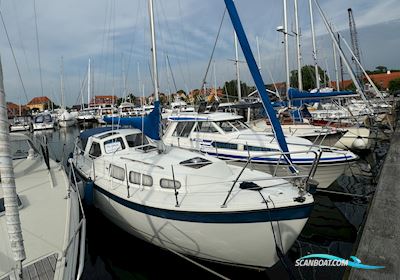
(230, 89)
(308, 77)
(381, 69)
(394, 85)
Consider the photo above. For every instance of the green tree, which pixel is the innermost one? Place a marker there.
(230, 88)
(381, 69)
(394, 85)
(308, 77)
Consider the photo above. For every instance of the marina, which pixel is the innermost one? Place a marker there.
(335, 227)
(249, 178)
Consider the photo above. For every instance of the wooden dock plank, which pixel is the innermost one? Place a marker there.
(41, 271)
(32, 272)
(47, 268)
(53, 261)
(380, 241)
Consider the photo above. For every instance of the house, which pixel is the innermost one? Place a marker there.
(40, 103)
(101, 100)
(14, 110)
(381, 80)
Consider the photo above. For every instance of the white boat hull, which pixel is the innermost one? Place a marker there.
(254, 242)
(42, 126)
(66, 123)
(325, 175)
(15, 128)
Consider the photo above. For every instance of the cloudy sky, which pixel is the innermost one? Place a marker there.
(115, 35)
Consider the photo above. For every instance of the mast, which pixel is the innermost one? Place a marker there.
(89, 84)
(258, 54)
(286, 42)
(314, 46)
(336, 66)
(340, 62)
(8, 184)
(62, 83)
(299, 74)
(239, 90)
(364, 72)
(251, 62)
(153, 50)
(160, 144)
(346, 62)
(215, 80)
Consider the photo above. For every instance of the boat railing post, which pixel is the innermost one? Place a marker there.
(81, 226)
(234, 183)
(277, 165)
(94, 172)
(127, 180)
(175, 191)
(248, 156)
(317, 157)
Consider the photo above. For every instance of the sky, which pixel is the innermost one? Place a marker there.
(114, 34)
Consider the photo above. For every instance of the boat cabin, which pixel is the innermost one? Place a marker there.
(110, 141)
(215, 130)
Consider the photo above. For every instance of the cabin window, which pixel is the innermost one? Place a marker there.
(113, 145)
(226, 126)
(170, 184)
(140, 179)
(238, 125)
(207, 127)
(2, 207)
(259, 149)
(221, 145)
(107, 134)
(117, 172)
(95, 150)
(135, 140)
(196, 162)
(183, 129)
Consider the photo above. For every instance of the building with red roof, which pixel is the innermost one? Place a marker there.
(40, 103)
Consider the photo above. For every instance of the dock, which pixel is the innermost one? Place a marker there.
(380, 241)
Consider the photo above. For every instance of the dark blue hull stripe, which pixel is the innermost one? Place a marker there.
(254, 216)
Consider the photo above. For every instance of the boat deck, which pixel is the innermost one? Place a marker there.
(42, 269)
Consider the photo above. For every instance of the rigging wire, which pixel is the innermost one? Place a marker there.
(15, 59)
(38, 46)
(18, 24)
(162, 8)
(213, 50)
(132, 44)
(184, 42)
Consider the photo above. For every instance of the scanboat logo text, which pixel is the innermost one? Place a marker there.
(329, 260)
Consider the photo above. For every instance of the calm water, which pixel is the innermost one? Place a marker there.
(332, 229)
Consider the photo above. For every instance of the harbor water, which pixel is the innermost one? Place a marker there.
(334, 227)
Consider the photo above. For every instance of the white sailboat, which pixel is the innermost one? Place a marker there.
(40, 212)
(65, 119)
(188, 202)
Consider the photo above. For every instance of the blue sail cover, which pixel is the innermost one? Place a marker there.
(150, 125)
(294, 93)
(256, 75)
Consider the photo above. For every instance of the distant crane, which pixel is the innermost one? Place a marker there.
(354, 45)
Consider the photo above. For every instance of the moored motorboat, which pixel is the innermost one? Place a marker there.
(224, 135)
(177, 199)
